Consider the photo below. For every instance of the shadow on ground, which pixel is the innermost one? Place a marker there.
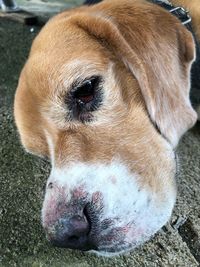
(22, 177)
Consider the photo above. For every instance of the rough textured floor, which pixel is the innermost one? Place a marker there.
(22, 176)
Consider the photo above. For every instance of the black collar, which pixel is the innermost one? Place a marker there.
(181, 13)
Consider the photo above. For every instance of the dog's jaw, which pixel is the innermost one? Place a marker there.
(121, 220)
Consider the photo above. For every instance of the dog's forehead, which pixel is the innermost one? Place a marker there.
(49, 76)
(64, 40)
(63, 51)
(60, 65)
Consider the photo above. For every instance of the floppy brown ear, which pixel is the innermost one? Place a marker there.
(28, 120)
(159, 59)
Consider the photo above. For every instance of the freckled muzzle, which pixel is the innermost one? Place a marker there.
(108, 214)
(71, 224)
(78, 224)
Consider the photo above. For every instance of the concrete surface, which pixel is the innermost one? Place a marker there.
(47, 7)
(22, 177)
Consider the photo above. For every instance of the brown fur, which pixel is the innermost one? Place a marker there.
(136, 55)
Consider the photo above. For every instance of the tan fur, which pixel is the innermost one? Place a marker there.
(145, 60)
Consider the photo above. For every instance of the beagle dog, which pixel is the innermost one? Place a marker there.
(104, 95)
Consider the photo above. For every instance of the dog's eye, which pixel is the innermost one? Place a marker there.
(85, 92)
(84, 98)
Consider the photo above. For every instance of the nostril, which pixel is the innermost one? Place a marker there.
(79, 225)
(73, 238)
(87, 216)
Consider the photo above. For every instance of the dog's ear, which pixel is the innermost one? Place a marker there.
(28, 119)
(159, 59)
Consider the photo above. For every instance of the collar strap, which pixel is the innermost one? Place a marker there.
(181, 13)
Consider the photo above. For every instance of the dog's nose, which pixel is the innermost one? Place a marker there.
(72, 233)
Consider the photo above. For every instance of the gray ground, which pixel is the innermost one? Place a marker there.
(22, 177)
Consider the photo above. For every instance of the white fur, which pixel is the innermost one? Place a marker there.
(50, 146)
(123, 199)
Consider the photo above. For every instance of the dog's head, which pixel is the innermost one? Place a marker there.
(104, 95)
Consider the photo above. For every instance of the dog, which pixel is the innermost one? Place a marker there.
(104, 95)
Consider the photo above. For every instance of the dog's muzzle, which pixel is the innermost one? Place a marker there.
(102, 208)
